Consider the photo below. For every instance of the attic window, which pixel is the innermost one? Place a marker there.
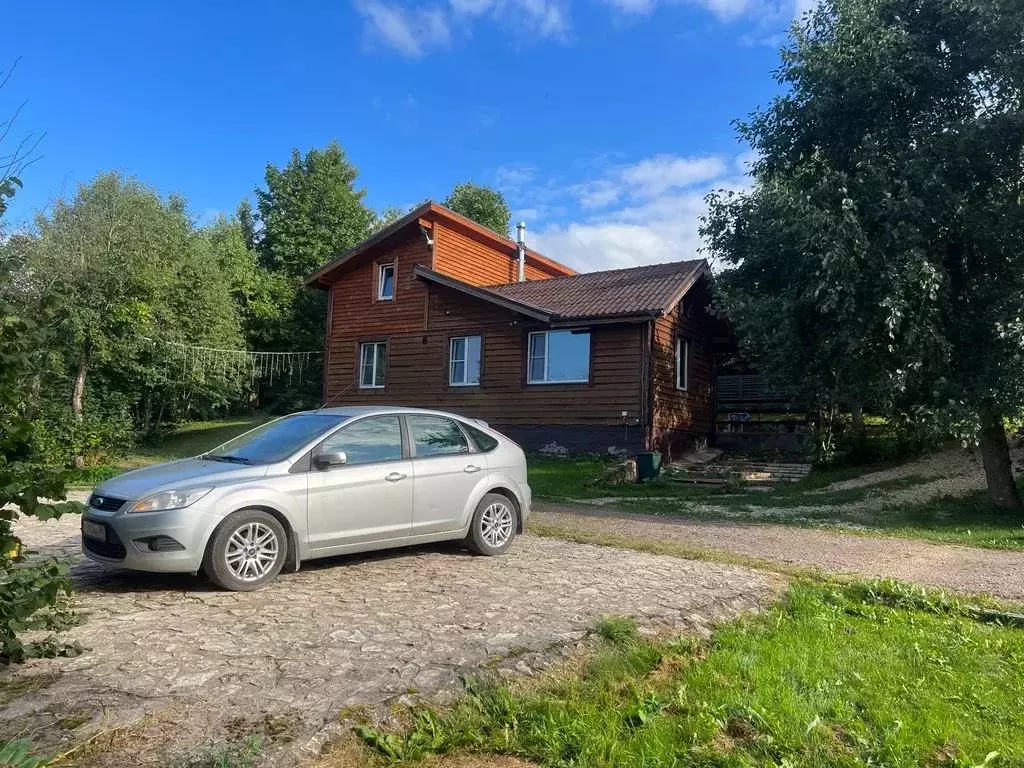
(386, 282)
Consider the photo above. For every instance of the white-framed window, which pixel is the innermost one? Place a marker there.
(559, 357)
(464, 356)
(373, 363)
(682, 363)
(386, 282)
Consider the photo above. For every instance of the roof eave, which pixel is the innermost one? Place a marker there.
(566, 321)
(316, 279)
(702, 269)
(483, 294)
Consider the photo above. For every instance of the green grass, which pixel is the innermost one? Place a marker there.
(180, 442)
(968, 519)
(577, 478)
(865, 674)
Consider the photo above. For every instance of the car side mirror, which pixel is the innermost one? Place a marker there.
(328, 460)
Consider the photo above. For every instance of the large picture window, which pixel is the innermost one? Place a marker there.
(559, 357)
(373, 361)
(464, 361)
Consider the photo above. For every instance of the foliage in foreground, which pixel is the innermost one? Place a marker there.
(19, 754)
(33, 598)
(874, 673)
(242, 754)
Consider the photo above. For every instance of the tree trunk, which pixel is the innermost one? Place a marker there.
(860, 437)
(77, 394)
(995, 455)
(79, 391)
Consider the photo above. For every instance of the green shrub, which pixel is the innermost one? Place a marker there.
(58, 437)
(33, 596)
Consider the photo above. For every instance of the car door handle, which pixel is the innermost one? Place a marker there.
(471, 468)
(394, 477)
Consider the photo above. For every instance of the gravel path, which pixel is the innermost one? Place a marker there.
(998, 573)
(348, 632)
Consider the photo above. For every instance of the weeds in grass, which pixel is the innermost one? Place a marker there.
(240, 754)
(864, 674)
(616, 629)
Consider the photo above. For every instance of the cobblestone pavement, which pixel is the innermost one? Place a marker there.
(970, 570)
(342, 633)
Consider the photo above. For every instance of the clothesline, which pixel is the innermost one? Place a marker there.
(200, 360)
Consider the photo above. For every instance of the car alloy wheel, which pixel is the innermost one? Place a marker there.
(496, 524)
(252, 551)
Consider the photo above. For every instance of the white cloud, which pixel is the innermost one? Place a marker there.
(725, 10)
(410, 32)
(415, 31)
(646, 179)
(656, 175)
(803, 6)
(471, 7)
(627, 215)
(514, 177)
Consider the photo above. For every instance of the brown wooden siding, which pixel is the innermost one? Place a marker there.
(467, 259)
(418, 329)
(681, 416)
(358, 315)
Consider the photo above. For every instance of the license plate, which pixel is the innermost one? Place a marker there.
(94, 530)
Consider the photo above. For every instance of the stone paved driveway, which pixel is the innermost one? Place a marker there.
(204, 665)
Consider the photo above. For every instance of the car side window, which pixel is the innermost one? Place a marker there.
(367, 441)
(436, 436)
(483, 441)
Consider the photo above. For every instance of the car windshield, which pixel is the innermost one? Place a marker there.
(276, 440)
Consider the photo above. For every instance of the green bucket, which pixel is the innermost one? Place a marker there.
(648, 464)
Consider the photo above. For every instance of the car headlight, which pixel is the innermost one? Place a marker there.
(169, 500)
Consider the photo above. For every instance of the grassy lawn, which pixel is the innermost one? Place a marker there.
(885, 507)
(180, 442)
(866, 674)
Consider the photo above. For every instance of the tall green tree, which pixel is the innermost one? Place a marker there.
(885, 226)
(133, 279)
(481, 204)
(308, 212)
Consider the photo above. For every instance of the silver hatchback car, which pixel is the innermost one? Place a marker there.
(313, 484)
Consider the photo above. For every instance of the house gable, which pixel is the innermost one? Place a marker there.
(459, 247)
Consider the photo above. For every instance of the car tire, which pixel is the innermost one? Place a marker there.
(494, 525)
(247, 551)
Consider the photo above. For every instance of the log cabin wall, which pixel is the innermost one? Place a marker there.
(466, 258)
(418, 325)
(681, 418)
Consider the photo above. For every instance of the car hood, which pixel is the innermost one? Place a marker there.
(184, 473)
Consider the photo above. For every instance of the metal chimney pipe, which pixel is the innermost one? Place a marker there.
(521, 247)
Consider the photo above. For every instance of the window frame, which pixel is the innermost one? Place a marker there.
(359, 362)
(682, 364)
(318, 448)
(470, 444)
(465, 360)
(546, 381)
(380, 281)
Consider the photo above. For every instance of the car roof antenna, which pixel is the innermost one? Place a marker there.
(335, 396)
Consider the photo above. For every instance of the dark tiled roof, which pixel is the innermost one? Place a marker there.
(614, 292)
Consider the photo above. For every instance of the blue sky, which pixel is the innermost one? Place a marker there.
(603, 121)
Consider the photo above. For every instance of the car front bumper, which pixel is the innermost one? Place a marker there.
(171, 541)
